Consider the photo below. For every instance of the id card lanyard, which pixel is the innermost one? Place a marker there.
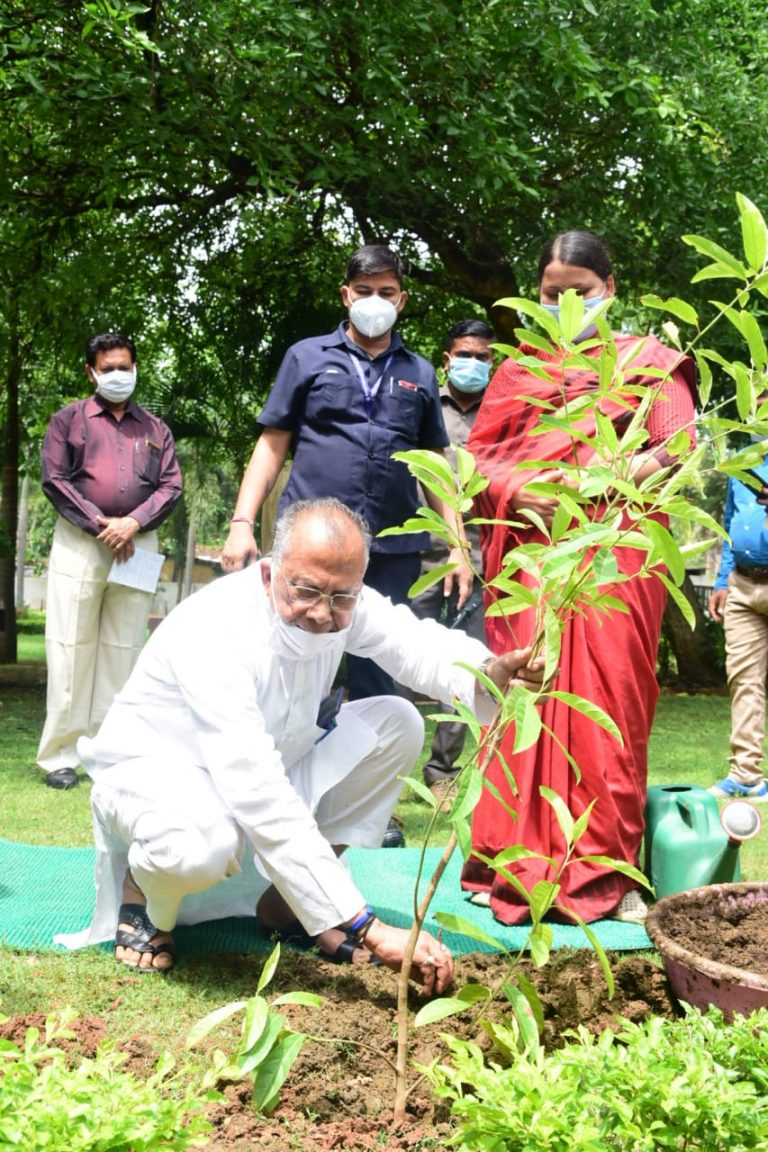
(370, 391)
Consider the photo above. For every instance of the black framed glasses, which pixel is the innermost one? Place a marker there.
(307, 597)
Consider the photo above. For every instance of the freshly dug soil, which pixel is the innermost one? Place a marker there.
(340, 1092)
(722, 929)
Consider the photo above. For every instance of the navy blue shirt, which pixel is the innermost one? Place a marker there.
(746, 523)
(342, 443)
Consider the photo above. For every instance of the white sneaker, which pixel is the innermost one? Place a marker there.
(481, 898)
(632, 908)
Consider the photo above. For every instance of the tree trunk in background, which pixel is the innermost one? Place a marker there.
(698, 662)
(9, 500)
(21, 540)
(189, 564)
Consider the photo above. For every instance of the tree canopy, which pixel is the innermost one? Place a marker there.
(198, 174)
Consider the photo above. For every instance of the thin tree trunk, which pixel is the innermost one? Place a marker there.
(21, 540)
(189, 564)
(698, 665)
(9, 496)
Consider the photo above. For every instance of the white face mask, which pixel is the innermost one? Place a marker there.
(294, 643)
(372, 315)
(117, 385)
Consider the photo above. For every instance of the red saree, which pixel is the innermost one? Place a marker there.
(609, 661)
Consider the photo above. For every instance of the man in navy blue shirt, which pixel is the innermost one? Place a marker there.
(342, 404)
(740, 600)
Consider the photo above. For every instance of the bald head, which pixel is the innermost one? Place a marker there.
(315, 573)
(319, 525)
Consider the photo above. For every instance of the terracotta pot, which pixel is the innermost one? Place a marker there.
(694, 978)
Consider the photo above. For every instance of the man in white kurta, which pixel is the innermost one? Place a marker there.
(212, 749)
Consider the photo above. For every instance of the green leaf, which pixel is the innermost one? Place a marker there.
(464, 927)
(527, 721)
(587, 708)
(582, 823)
(269, 969)
(542, 896)
(684, 311)
(666, 549)
(619, 866)
(273, 1072)
(420, 788)
(470, 791)
(529, 1032)
(753, 233)
(429, 578)
(540, 943)
(679, 598)
(560, 809)
(730, 265)
(201, 1029)
(605, 567)
(250, 1056)
(439, 1009)
(308, 999)
(256, 1013)
(432, 466)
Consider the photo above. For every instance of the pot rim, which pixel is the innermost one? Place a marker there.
(711, 968)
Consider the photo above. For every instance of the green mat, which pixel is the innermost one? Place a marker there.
(45, 891)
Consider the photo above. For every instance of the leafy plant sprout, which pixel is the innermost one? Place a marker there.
(575, 569)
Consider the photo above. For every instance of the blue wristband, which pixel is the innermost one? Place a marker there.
(362, 920)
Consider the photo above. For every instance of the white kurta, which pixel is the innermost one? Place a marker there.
(213, 694)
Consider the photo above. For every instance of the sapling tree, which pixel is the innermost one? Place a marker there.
(573, 567)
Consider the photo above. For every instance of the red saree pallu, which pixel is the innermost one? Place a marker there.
(609, 660)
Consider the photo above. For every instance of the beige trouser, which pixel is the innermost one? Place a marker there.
(94, 632)
(746, 649)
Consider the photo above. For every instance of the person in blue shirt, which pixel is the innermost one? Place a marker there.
(342, 404)
(740, 601)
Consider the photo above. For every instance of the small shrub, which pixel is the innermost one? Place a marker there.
(692, 1085)
(48, 1104)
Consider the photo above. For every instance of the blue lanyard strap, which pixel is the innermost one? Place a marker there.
(370, 391)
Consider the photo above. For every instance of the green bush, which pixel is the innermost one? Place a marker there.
(50, 1104)
(690, 1084)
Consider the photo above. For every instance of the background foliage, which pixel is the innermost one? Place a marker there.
(197, 175)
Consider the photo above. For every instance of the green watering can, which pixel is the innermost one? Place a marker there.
(689, 842)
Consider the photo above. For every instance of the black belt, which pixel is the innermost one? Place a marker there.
(758, 575)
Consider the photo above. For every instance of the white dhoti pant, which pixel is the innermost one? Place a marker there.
(167, 822)
(94, 632)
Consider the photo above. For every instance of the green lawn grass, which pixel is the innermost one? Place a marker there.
(689, 745)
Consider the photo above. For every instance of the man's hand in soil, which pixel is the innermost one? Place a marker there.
(432, 962)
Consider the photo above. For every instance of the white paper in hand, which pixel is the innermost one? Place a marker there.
(142, 570)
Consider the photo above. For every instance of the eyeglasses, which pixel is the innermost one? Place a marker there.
(307, 597)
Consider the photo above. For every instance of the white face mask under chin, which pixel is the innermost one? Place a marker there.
(294, 643)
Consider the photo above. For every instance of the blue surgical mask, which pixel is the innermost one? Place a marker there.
(589, 329)
(468, 374)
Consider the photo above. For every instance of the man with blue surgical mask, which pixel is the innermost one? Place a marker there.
(109, 468)
(467, 363)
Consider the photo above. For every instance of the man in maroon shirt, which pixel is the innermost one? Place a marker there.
(109, 468)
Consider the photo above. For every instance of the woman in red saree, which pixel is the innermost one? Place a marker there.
(610, 661)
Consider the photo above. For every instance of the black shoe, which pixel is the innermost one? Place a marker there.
(62, 778)
(393, 837)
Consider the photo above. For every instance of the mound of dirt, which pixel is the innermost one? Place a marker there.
(340, 1091)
